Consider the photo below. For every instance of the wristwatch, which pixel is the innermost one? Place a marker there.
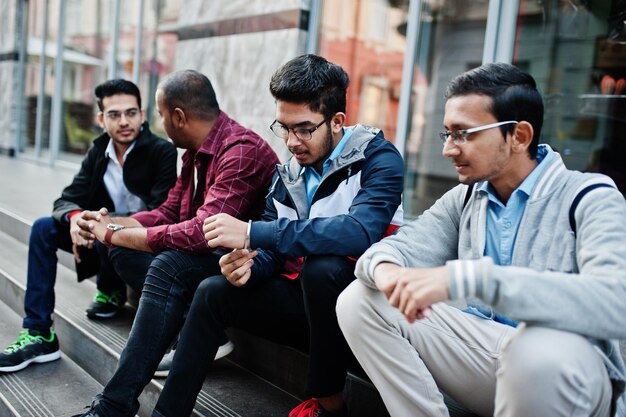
(111, 228)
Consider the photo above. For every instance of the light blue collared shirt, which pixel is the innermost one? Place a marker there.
(502, 225)
(503, 220)
(311, 178)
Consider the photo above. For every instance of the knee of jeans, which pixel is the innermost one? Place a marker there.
(43, 226)
(212, 291)
(352, 307)
(320, 272)
(116, 255)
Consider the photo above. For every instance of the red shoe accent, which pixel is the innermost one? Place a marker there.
(308, 408)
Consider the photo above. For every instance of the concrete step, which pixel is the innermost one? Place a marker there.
(30, 392)
(95, 346)
(278, 365)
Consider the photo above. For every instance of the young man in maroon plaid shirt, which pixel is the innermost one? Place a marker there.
(226, 169)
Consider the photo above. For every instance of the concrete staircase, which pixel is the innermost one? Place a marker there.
(259, 378)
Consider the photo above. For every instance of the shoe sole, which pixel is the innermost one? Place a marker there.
(223, 350)
(96, 316)
(37, 359)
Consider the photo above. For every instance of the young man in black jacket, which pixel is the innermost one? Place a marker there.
(128, 169)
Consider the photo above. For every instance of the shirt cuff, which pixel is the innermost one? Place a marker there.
(69, 215)
(468, 278)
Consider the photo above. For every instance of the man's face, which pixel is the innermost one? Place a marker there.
(166, 119)
(314, 151)
(121, 118)
(486, 155)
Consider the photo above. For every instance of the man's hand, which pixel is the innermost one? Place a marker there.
(92, 224)
(412, 290)
(77, 239)
(225, 231)
(236, 266)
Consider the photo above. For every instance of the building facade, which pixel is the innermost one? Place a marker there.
(399, 54)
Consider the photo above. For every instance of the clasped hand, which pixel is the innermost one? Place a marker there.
(92, 225)
(225, 231)
(412, 290)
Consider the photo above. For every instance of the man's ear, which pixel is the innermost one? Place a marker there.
(179, 118)
(522, 136)
(100, 118)
(337, 121)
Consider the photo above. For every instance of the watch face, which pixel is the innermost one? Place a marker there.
(115, 227)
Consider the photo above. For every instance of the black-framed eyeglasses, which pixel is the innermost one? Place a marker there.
(302, 133)
(114, 115)
(459, 137)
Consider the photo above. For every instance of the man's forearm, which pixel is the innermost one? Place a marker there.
(132, 238)
(126, 221)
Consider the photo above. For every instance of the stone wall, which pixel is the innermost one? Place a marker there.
(239, 44)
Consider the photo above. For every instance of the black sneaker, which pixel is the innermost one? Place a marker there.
(91, 412)
(105, 306)
(29, 347)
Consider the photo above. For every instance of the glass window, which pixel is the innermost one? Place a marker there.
(367, 38)
(451, 40)
(577, 52)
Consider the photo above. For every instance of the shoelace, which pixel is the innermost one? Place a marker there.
(115, 298)
(101, 297)
(23, 338)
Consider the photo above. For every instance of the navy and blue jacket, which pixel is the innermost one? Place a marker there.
(358, 202)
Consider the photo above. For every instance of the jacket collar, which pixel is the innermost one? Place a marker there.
(353, 151)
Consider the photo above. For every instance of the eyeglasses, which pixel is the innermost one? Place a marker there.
(302, 133)
(459, 137)
(117, 115)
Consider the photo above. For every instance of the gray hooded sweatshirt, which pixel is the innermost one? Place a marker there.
(558, 279)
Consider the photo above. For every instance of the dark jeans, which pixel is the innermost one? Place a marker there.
(170, 282)
(273, 308)
(46, 237)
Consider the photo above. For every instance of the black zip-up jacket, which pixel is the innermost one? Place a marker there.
(149, 172)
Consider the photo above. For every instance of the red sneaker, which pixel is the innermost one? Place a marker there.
(312, 408)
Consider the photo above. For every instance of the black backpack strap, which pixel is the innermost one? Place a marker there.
(579, 196)
(468, 195)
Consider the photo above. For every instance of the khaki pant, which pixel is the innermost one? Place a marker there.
(487, 367)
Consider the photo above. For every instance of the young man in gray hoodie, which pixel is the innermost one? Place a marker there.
(535, 250)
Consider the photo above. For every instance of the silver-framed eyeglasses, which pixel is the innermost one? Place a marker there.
(459, 137)
(115, 115)
(302, 133)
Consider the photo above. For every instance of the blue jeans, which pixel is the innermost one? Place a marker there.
(276, 308)
(170, 282)
(46, 237)
(269, 307)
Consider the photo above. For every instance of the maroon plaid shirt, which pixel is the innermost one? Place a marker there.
(235, 168)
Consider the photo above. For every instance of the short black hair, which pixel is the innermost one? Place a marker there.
(113, 87)
(312, 80)
(192, 92)
(513, 92)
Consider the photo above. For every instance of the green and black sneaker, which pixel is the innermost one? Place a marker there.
(105, 305)
(30, 346)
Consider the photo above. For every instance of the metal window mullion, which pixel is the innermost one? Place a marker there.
(500, 32)
(41, 94)
(408, 70)
(22, 48)
(115, 26)
(56, 116)
(313, 36)
(138, 41)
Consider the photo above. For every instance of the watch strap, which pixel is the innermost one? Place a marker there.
(107, 238)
